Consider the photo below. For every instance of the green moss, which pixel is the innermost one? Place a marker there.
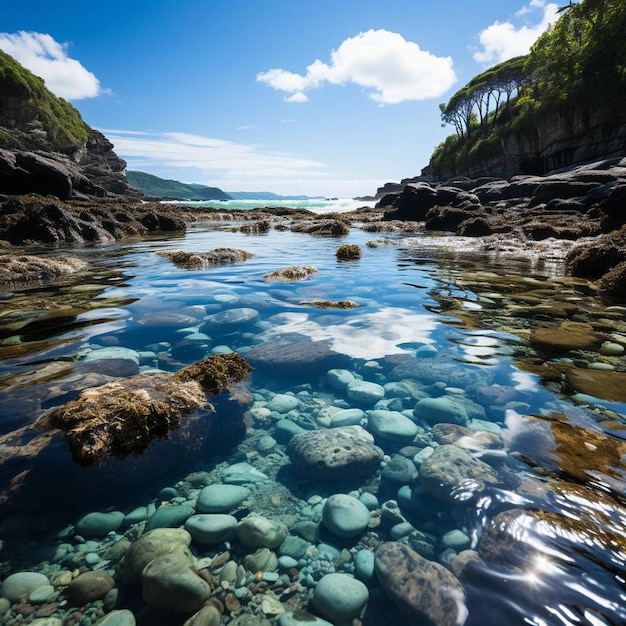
(61, 121)
(349, 252)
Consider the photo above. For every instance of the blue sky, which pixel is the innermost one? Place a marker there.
(324, 97)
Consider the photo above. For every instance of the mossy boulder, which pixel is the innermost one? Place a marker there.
(125, 416)
(295, 272)
(348, 252)
(202, 260)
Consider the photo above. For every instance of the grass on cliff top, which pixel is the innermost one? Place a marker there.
(61, 121)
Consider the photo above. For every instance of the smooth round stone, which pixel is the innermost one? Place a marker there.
(283, 403)
(113, 352)
(399, 471)
(455, 539)
(294, 547)
(426, 352)
(392, 425)
(167, 493)
(256, 531)
(99, 524)
(345, 516)
(369, 500)
(301, 618)
(422, 455)
(221, 349)
(242, 473)
(609, 348)
(398, 531)
(210, 528)
(598, 365)
(287, 562)
(230, 317)
(91, 558)
(47, 621)
(347, 417)
(90, 586)
(364, 392)
(122, 617)
(339, 379)
(285, 429)
(169, 516)
(339, 597)
(441, 409)
(41, 594)
(266, 444)
(364, 565)
(170, 583)
(140, 514)
(218, 498)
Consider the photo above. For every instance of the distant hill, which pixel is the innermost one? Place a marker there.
(265, 195)
(173, 189)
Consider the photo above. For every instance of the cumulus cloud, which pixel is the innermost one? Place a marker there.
(392, 69)
(504, 40)
(47, 58)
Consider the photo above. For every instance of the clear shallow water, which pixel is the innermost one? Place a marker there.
(550, 533)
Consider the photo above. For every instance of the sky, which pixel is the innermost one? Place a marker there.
(313, 97)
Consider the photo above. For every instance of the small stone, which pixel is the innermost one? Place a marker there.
(256, 531)
(339, 597)
(210, 528)
(283, 403)
(610, 348)
(22, 584)
(345, 516)
(365, 392)
(456, 540)
(364, 566)
(243, 473)
(221, 498)
(169, 516)
(399, 471)
(90, 586)
(392, 425)
(41, 595)
(441, 409)
(347, 417)
(206, 616)
(99, 524)
(339, 379)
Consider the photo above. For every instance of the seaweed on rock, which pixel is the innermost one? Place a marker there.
(125, 416)
(200, 260)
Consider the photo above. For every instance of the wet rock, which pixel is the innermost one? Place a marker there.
(98, 524)
(21, 584)
(364, 392)
(339, 597)
(348, 252)
(295, 356)
(466, 438)
(150, 545)
(170, 583)
(121, 617)
(334, 454)
(206, 616)
(218, 498)
(412, 203)
(594, 260)
(608, 385)
(256, 531)
(20, 268)
(567, 336)
(146, 408)
(426, 591)
(613, 283)
(288, 274)
(200, 260)
(169, 516)
(345, 516)
(447, 218)
(90, 586)
(448, 467)
(212, 528)
(442, 409)
(392, 426)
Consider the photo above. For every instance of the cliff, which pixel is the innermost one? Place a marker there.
(46, 147)
(558, 139)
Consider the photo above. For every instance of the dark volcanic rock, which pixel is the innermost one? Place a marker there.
(413, 203)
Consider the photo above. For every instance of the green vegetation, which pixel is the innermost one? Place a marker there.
(579, 62)
(162, 188)
(62, 122)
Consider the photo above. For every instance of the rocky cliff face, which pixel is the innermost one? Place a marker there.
(46, 147)
(556, 141)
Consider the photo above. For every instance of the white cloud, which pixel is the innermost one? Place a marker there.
(504, 40)
(392, 69)
(209, 157)
(48, 59)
